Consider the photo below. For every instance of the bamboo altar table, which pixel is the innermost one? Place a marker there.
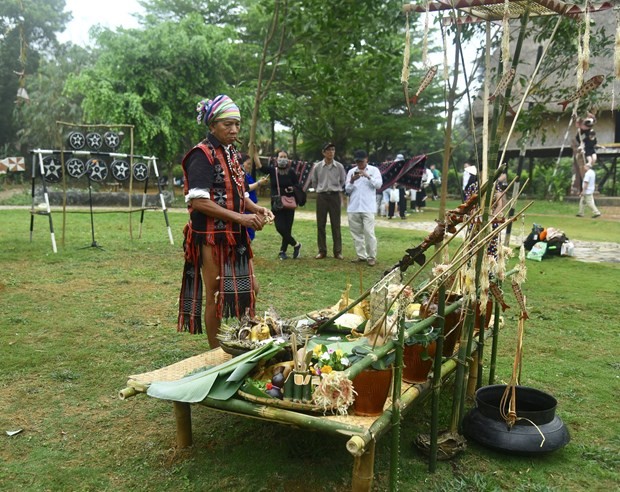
(362, 431)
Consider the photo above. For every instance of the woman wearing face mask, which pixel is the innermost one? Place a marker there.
(284, 184)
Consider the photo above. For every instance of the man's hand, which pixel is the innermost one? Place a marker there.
(255, 221)
(264, 216)
(358, 174)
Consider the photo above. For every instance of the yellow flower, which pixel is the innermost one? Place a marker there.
(339, 353)
(326, 369)
(317, 350)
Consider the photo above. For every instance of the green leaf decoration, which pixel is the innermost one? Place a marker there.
(361, 351)
(219, 382)
(423, 338)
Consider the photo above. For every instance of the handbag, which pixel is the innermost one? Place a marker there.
(287, 202)
(276, 203)
(300, 195)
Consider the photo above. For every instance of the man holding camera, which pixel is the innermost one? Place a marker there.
(362, 183)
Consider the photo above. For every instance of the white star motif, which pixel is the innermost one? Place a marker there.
(120, 170)
(140, 171)
(75, 168)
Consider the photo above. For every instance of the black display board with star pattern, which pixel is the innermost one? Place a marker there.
(92, 154)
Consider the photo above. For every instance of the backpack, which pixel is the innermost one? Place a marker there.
(533, 236)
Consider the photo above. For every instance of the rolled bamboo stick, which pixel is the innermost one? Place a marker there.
(127, 393)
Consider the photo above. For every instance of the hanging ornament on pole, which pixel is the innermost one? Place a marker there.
(425, 39)
(617, 49)
(616, 60)
(580, 63)
(586, 39)
(506, 37)
(404, 77)
(22, 95)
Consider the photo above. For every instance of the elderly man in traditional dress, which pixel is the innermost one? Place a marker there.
(216, 238)
(362, 184)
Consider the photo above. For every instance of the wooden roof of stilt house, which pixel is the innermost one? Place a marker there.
(552, 137)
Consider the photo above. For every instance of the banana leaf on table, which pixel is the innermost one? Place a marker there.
(220, 382)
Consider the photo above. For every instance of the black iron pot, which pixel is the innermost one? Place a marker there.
(485, 425)
(532, 404)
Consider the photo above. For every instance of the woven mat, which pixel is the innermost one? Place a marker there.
(178, 370)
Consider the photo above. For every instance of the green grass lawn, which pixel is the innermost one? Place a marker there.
(74, 325)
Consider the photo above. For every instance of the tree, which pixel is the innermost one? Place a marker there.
(50, 101)
(153, 79)
(215, 12)
(27, 32)
(343, 73)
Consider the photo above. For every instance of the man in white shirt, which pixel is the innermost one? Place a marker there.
(587, 193)
(466, 168)
(361, 185)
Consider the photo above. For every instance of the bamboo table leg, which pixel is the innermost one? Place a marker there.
(363, 469)
(472, 382)
(183, 417)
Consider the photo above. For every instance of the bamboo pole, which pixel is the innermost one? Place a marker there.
(445, 168)
(280, 415)
(480, 351)
(363, 469)
(494, 345)
(441, 307)
(396, 395)
(461, 375)
(485, 113)
(472, 379)
(458, 403)
(183, 418)
(127, 393)
(130, 181)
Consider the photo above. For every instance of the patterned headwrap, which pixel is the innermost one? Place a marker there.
(220, 108)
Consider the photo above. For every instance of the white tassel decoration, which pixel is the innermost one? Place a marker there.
(579, 59)
(586, 40)
(425, 39)
(404, 77)
(617, 50)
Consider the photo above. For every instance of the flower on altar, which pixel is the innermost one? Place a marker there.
(325, 360)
